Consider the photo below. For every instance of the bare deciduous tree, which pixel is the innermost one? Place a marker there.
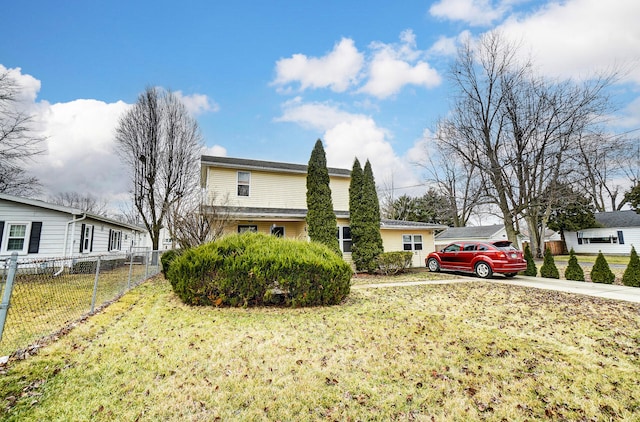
(517, 129)
(18, 141)
(160, 143)
(84, 202)
(198, 219)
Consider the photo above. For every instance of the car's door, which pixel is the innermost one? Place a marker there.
(466, 255)
(449, 255)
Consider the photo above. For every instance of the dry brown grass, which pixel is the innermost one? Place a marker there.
(471, 351)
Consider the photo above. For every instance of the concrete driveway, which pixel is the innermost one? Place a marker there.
(608, 291)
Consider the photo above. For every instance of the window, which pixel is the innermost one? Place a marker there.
(16, 237)
(248, 228)
(277, 231)
(86, 238)
(587, 238)
(452, 248)
(115, 240)
(412, 242)
(244, 179)
(344, 238)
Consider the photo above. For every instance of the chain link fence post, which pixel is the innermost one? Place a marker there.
(130, 270)
(95, 286)
(147, 257)
(8, 288)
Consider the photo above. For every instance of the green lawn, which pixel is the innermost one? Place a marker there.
(471, 351)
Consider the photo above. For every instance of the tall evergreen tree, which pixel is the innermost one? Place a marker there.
(367, 242)
(321, 218)
(355, 209)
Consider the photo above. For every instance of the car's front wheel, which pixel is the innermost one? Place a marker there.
(433, 265)
(483, 270)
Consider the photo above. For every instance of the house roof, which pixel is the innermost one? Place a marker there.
(618, 219)
(478, 232)
(242, 163)
(67, 210)
(408, 225)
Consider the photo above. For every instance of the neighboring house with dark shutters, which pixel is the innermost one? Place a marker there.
(618, 232)
(37, 229)
(271, 197)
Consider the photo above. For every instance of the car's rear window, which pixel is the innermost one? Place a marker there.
(504, 245)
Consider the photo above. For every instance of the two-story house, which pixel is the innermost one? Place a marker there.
(271, 197)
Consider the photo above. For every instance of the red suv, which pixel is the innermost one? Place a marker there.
(481, 258)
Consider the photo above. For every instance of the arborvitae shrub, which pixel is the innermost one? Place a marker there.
(574, 270)
(394, 262)
(254, 269)
(601, 273)
(531, 270)
(631, 276)
(549, 269)
(166, 259)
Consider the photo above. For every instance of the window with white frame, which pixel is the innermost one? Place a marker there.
(86, 238)
(412, 242)
(16, 240)
(344, 238)
(244, 181)
(115, 240)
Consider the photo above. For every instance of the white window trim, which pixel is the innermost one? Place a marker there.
(247, 184)
(342, 239)
(7, 230)
(412, 242)
(115, 240)
(89, 238)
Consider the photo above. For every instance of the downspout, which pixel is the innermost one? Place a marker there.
(66, 237)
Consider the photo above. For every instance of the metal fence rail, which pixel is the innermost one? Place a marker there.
(42, 297)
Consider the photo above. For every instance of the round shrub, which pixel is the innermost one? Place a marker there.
(253, 269)
(601, 273)
(166, 259)
(573, 271)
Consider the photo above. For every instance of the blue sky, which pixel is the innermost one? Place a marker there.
(265, 79)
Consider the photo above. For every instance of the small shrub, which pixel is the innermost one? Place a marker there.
(167, 258)
(549, 269)
(394, 262)
(255, 269)
(574, 270)
(531, 270)
(601, 273)
(631, 276)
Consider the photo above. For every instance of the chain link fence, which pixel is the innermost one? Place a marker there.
(41, 298)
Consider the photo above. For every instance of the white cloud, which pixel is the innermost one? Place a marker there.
(197, 103)
(81, 154)
(337, 70)
(347, 136)
(474, 12)
(448, 46)
(580, 37)
(394, 66)
(216, 150)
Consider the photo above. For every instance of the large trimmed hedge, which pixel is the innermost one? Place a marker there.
(253, 269)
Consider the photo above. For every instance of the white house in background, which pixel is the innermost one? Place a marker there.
(37, 229)
(620, 230)
(480, 233)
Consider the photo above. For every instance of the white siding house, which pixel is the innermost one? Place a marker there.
(479, 233)
(37, 229)
(618, 232)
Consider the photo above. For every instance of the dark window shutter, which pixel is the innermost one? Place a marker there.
(620, 237)
(579, 239)
(109, 242)
(34, 237)
(91, 245)
(1, 230)
(81, 237)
